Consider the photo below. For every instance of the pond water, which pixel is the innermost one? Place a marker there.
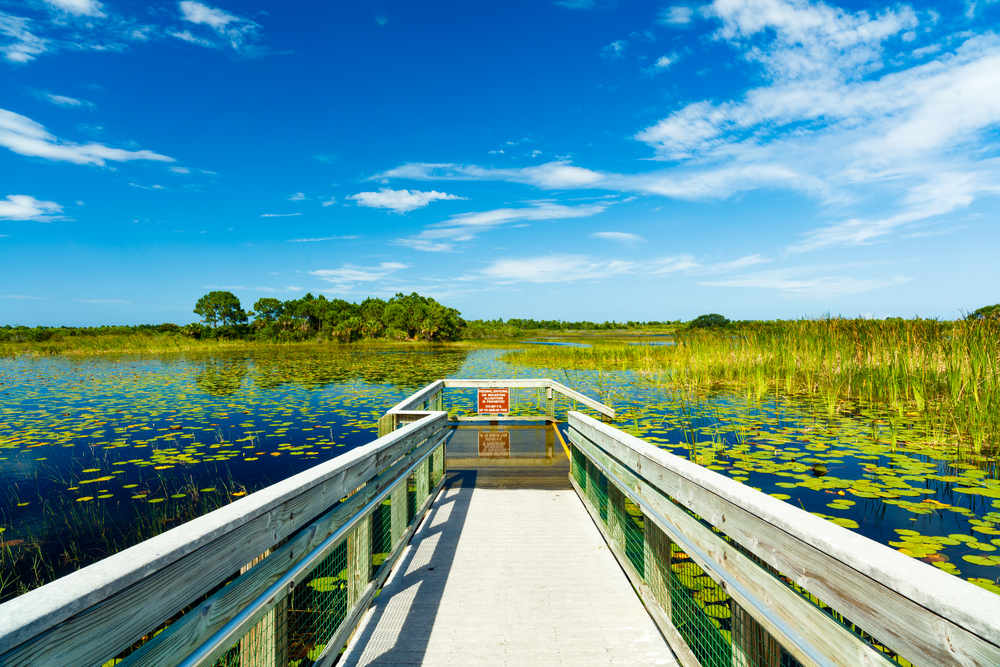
(97, 453)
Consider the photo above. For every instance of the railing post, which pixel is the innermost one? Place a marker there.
(550, 404)
(656, 556)
(359, 560)
(752, 645)
(422, 478)
(386, 424)
(616, 508)
(397, 512)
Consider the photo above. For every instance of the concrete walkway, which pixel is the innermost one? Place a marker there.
(507, 576)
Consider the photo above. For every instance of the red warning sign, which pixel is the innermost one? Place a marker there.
(494, 444)
(494, 401)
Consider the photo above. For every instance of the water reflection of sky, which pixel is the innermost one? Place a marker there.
(128, 432)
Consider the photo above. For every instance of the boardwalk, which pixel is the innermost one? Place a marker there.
(507, 576)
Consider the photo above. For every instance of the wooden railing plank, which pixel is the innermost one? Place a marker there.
(924, 614)
(804, 624)
(102, 609)
(173, 644)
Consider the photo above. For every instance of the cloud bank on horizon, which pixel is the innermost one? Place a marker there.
(645, 173)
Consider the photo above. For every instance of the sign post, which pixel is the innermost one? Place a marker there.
(493, 401)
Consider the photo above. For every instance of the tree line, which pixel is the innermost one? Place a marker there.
(403, 317)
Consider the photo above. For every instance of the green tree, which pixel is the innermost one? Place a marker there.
(985, 313)
(220, 307)
(708, 321)
(268, 310)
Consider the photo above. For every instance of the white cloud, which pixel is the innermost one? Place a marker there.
(25, 207)
(278, 215)
(400, 201)
(26, 137)
(298, 196)
(442, 236)
(77, 7)
(560, 268)
(615, 50)
(554, 269)
(783, 282)
(741, 263)
(63, 101)
(330, 202)
(549, 176)
(662, 63)
(20, 44)
(323, 238)
(279, 290)
(350, 273)
(676, 15)
(229, 27)
(621, 237)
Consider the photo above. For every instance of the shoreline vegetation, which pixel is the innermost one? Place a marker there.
(946, 374)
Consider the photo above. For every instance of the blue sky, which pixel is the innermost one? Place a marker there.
(577, 159)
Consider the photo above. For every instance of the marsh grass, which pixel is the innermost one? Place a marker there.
(70, 535)
(945, 372)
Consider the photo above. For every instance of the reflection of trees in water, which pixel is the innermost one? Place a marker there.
(389, 366)
(222, 376)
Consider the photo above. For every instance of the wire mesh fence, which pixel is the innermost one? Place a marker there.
(716, 629)
(297, 630)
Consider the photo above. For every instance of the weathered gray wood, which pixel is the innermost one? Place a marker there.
(415, 400)
(586, 400)
(656, 557)
(347, 626)
(528, 383)
(359, 560)
(677, 644)
(807, 633)
(100, 610)
(171, 646)
(927, 616)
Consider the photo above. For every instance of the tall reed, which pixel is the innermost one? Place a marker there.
(949, 371)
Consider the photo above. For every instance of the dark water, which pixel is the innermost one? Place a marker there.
(95, 442)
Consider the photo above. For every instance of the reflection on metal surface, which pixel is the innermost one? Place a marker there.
(494, 444)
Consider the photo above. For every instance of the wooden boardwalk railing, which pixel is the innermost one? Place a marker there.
(735, 577)
(314, 533)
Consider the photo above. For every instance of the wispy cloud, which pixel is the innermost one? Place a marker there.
(278, 215)
(614, 51)
(741, 263)
(400, 201)
(25, 207)
(662, 64)
(279, 290)
(563, 268)
(350, 273)
(78, 7)
(298, 196)
(223, 28)
(20, 45)
(330, 202)
(61, 100)
(620, 237)
(323, 238)
(786, 283)
(443, 236)
(26, 137)
(676, 16)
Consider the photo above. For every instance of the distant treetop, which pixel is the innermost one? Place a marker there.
(985, 313)
(710, 320)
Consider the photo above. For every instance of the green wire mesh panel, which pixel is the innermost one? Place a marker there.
(295, 632)
(719, 632)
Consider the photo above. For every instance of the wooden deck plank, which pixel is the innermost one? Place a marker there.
(507, 576)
